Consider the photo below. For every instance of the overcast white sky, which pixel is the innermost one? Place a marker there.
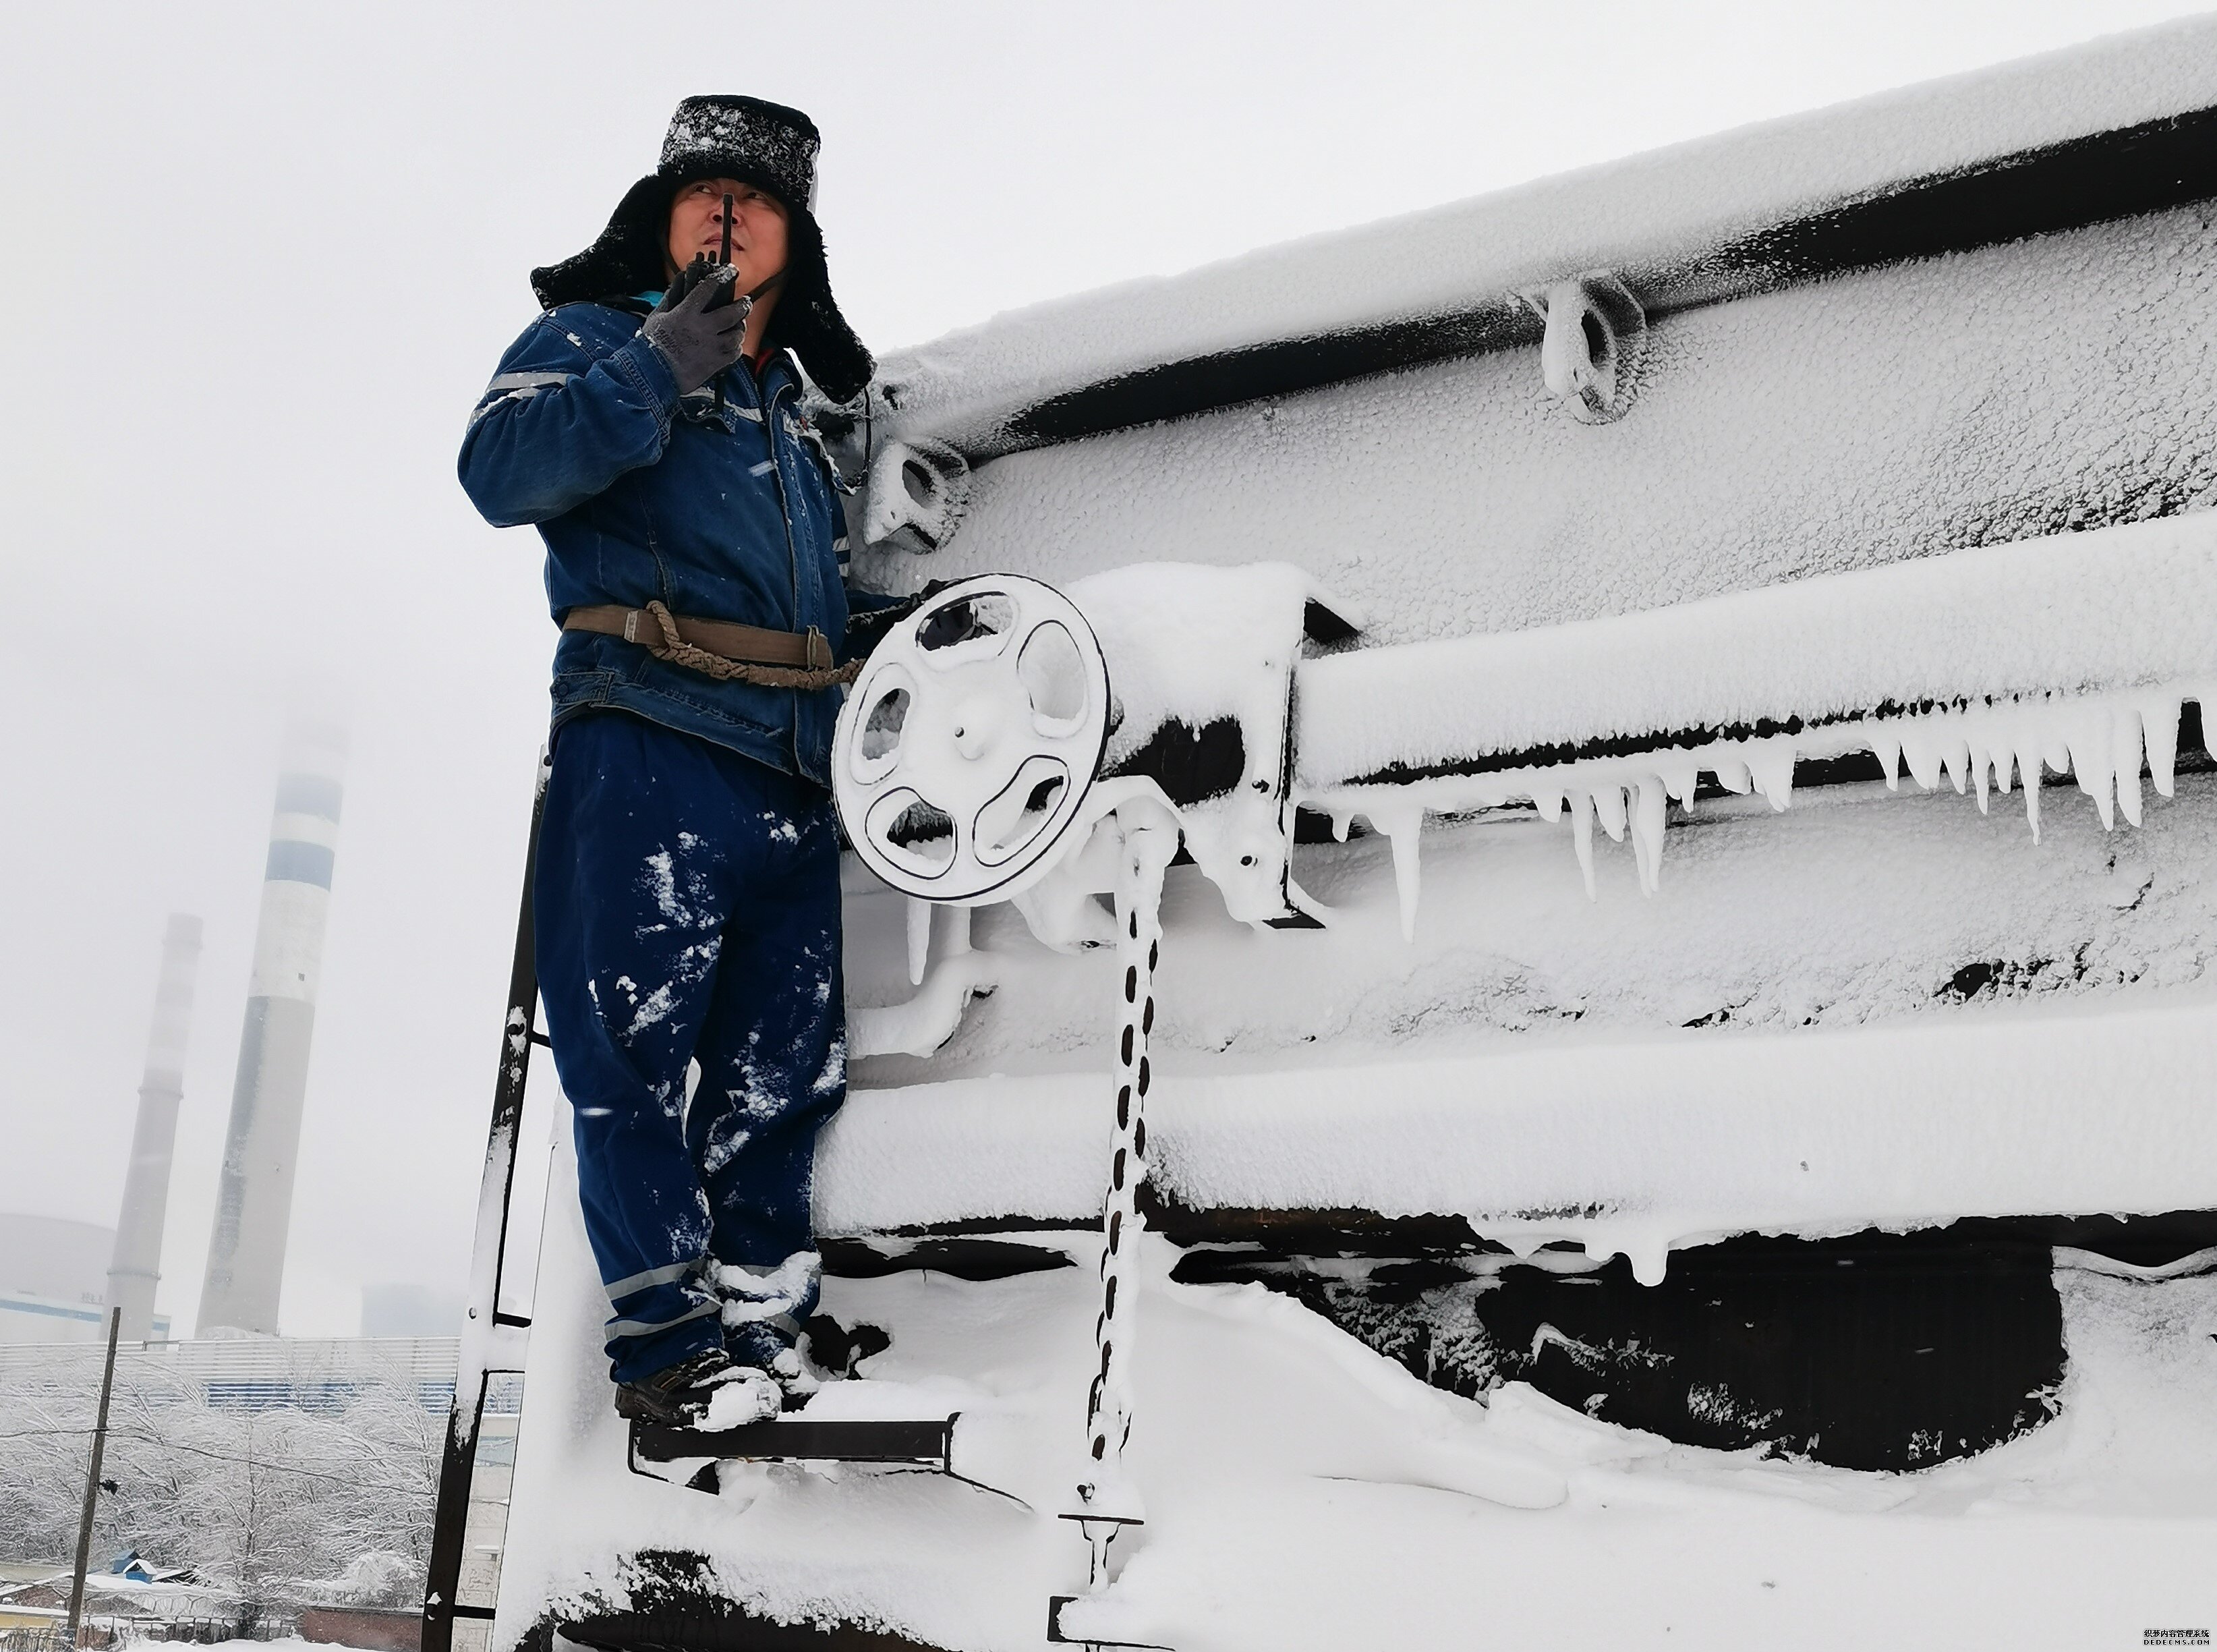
(259, 261)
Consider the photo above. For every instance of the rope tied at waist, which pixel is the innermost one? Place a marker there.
(811, 650)
(678, 652)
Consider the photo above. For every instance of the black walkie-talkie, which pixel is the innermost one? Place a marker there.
(724, 259)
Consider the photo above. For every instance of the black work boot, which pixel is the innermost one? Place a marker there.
(681, 1396)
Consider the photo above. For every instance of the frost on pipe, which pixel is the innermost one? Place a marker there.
(969, 743)
(2072, 654)
(2107, 742)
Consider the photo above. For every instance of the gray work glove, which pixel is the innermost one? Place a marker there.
(695, 328)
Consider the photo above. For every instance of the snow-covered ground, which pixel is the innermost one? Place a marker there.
(1302, 1493)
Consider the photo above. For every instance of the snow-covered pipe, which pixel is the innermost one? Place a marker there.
(136, 1266)
(2111, 609)
(1660, 220)
(1951, 666)
(254, 1205)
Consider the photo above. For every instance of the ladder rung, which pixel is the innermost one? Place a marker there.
(1056, 1637)
(842, 1441)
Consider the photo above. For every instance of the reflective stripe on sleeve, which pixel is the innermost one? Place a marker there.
(527, 382)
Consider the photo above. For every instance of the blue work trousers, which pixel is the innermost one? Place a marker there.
(686, 910)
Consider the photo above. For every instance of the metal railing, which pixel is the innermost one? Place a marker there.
(250, 1373)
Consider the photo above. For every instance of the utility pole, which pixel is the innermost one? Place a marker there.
(92, 1476)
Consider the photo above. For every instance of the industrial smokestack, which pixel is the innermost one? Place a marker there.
(136, 1266)
(254, 1203)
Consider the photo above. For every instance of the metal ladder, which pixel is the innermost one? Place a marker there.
(493, 1341)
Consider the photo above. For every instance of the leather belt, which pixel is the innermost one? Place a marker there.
(752, 644)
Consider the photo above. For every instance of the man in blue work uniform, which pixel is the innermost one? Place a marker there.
(686, 895)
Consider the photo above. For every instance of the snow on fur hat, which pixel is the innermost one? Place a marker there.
(763, 143)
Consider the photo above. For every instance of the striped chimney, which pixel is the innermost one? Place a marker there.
(253, 1200)
(136, 1266)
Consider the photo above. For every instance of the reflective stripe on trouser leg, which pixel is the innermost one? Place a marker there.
(764, 1307)
(630, 901)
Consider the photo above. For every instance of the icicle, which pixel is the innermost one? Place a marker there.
(1888, 751)
(1954, 757)
(1921, 752)
(919, 939)
(2125, 742)
(1549, 804)
(1733, 773)
(2159, 725)
(1647, 834)
(1402, 826)
(1582, 817)
(1770, 767)
(1608, 809)
(1982, 763)
(2091, 742)
(1681, 776)
(1339, 825)
(1650, 1258)
(2029, 774)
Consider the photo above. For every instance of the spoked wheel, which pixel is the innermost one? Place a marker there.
(971, 739)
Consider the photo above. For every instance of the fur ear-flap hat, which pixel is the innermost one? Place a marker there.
(763, 143)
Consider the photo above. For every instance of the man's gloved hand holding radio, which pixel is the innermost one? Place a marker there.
(697, 328)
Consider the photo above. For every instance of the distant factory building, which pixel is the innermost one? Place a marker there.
(53, 1281)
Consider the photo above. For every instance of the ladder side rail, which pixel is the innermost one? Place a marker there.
(491, 1341)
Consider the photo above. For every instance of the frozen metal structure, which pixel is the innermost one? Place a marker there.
(135, 1268)
(253, 1200)
(1776, 504)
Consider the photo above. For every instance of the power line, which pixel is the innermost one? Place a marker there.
(261, 1462)
(157, 1441)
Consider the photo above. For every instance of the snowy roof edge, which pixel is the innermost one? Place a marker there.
(1661, 212)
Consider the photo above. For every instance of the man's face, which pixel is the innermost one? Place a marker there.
(758, 226)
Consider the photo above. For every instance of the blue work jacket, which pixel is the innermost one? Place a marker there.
(642, 494)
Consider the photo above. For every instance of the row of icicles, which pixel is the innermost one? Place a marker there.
(2105, 740)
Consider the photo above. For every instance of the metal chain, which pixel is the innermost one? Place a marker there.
(1107, 1501)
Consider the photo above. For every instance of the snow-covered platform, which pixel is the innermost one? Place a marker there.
(1304, 1493)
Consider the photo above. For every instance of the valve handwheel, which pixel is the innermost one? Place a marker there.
(970, 740)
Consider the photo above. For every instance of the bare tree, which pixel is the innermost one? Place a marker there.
(267, 1499)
